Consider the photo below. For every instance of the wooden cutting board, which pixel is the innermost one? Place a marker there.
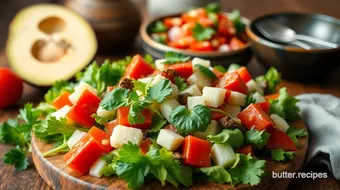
(56, 174)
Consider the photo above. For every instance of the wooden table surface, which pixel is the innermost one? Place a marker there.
(30, 179)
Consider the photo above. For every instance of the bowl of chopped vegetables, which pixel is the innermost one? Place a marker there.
(203, 32)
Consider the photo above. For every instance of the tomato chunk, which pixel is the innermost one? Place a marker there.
(225, 26)
(236, 44)
(227, 95)
(145, 146)
(244, 74)
(82, 111)
(170, 22)
(122, 118)
(232, 81)
(138, 68)
(265, 106)
(194, 15)
(184, 69)
(83, 154)
(62, 100)
(196, 152)
(280, 140)
(110, 126)
(246, 149)
(254, 116)
(183, 42)
(202, 46)
(102, 137)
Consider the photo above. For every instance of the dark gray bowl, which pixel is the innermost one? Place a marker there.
(157, 50)
(295, 63)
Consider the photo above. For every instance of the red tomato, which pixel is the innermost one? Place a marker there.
(271, 97)
(102, 137)
(196, 152)
(253, 116)
(82, 111)
(10, 87)
(202, 46)
(138, 68)
(205, 22)
(236, 44)
(122, 118)
(227, 95)
(265, 106)
(216, 115)
(145, 146)
(83, 154)
(225, 26)
(194, 15)
(186, 29)
(170, 22)
(62, 101)
(183, 42)
(244, 74)
(184, 69)
(246, 149)
(110, 126)
(232, 81)
(280, 140)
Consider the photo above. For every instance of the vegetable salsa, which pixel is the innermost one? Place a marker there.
(170, 119)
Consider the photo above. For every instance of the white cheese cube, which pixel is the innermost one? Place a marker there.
(159, 64)
(101, 112)
(167, 106)
(236, 99)
(223, 155)
(76, 136)
(195, 100)
(232, 111)
(62, 112)
(78, 91)
(214, 96)
(157, 79)
(199, 61)
(122, 135)
(193, 90)
(213, 129)
(253, 86)
(199, 79)
(258, 97)
(97, 167)
(280, 123)
(145, 79)
(169, 139)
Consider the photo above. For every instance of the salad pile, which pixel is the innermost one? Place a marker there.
(201, 29)
(175, 120)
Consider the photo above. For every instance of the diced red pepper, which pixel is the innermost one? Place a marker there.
(236, 44)
(196, 152)
(83, 154)
(201, 46)
(254, 116)
(183, 69)
(82, 111)
(246, 149)
(145, 146)
(138, 68)
(265, 106)
(232, 81)
(271, 97)
(280, 140)
(123, 114)
(244, 74)
(110, 126)
(62, 100)
(102, 137)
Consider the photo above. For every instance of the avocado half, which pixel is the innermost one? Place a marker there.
(48, 43)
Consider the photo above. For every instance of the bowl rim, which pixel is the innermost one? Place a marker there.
(266, 42)
(148, 40)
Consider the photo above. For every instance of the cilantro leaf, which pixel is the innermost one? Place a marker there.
(159, 27)
(135, 114)
(174, 57)
(272, 78)
(235, 17)
(285, 106)
(156, 124)
(180, 83)
(10, 133)
(257, 138)
(159, 91)
(115, 99)
(281, 155)
(159, 38)
(249, 100)
(294, 133)
(140, 86)
(220, 68)
(101, 120)
(60, 148)
(217, 174)
(200, 33)
(149, 59)
(212, 8)
(234, 137)
(206, 71)
(16, 157)
(189, 121)
(57, 88)
(109, 170)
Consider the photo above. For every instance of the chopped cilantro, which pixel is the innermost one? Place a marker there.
(173, 57)
(201, 33)
(233, 137)
(257, 138)
(281, 155)
(285, 106)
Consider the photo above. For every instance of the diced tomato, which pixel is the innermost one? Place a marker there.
(232, 81)
(196, 152)
(205, 22)
(138, 68)
(246, 149)
(123, 114)
(227, 95)
(236, 44)
(110, 126)
(271, 97)
(83, 154)
(201, 46)
(222, 40)
(62, 100)
(225, 26)
(102, 137)
(170, 22)
(244, 74)
(218, 73)
(183, 69)
(82, 111)
(216, 115)
(194, 15)
(254, 116)
(280, 140)
(183, 42)
(186, 29)
(145, 146)
(265, 106)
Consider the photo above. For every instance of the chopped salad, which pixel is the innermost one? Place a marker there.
(173, 119)
(201, 29)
